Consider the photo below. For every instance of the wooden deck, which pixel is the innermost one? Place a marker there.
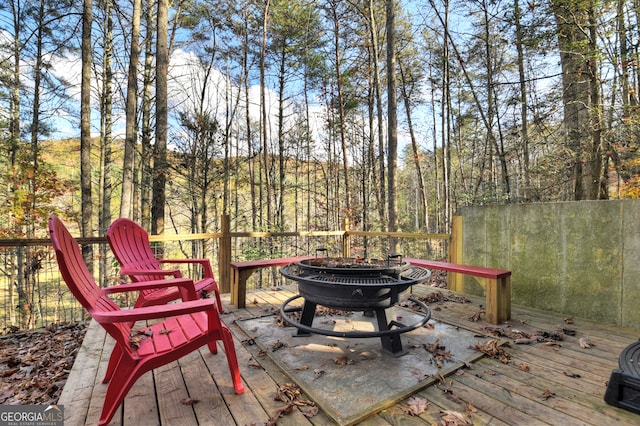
(557, 383)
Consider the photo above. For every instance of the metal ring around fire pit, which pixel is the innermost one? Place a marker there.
(401, 328)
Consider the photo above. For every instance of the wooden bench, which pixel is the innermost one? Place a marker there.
(497, 284)
(241, 271)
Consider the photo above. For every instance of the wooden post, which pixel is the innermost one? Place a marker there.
(224, 255)
(346, 240)
(455, 281)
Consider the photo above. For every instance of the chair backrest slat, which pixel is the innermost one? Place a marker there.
(80, 281)
(130, 245)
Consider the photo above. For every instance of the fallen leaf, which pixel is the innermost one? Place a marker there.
(343, 360)
(277, 345)
(310, 411)
(249, 342)
(280, 413)
(416, 406)
(476, 317)
(470, 408)
(524, 367)
(494, 350)
(302, 368)
(572, 375)
(317, 373)
(190, 401)
(585, 343)
(547, 394)
(453, 418)
(166, 331)
(254, 363)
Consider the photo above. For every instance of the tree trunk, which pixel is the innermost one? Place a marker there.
(146, 170)
(105, 173)
(392, 116)
(524, 133)
(160, 167)
(263, 106)
(423, 222)
(85, 132)
(571, 17)
(250, 159)
(130, 139)
(340, 103)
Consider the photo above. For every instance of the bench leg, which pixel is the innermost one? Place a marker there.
(239, 287)
(498, 300)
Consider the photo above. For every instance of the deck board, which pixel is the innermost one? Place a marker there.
(487, 393)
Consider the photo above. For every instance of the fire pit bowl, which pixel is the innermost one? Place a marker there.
(354, 284)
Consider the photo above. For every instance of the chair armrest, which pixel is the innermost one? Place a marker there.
(206, 264)
(184, 283)
(155, 312)
(153, 272)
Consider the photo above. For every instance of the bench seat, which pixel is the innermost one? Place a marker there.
(496, 282)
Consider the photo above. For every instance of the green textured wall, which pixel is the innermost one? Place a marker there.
(575, 258)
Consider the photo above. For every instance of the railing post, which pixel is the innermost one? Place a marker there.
(224, 255)
(346, 240)
(455, 281)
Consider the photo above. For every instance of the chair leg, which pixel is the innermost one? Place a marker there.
(232, 360)
(213, 347)
(128, 373)
(114, 361)
(218, 301)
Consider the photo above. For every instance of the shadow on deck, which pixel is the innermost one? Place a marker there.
(551, 381)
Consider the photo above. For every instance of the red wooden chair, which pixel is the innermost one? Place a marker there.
(188, 325)
(129, 243)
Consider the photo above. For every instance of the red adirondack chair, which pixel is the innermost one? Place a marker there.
(187, 326)
(129, 243)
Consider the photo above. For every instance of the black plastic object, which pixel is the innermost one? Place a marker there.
(623, 389)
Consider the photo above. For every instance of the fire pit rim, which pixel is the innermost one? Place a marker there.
(342, 267)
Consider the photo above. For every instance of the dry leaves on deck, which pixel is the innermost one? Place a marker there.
(585, 343)
(453, 418)
(521, 337)
(415, 406)
(439, 352)
(291, 395)
(439, 297)
(494, 350)
(35, 365)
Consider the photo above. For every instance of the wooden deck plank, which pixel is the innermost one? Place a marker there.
(210, 406)
(78, 389)
(441, 401)
(262, 384)
(171, 391)
(489, 393)
(245, 408)
(140, 407)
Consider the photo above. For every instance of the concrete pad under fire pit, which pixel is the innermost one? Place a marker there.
(351, 379)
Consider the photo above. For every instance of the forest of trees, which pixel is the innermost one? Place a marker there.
(298, 114)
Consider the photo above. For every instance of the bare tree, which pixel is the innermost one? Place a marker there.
(130, 139)
(85, 130)
(160, 167)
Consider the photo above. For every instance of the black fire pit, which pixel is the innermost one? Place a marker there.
(354, 284)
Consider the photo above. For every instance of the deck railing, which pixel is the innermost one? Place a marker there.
(33, 295)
